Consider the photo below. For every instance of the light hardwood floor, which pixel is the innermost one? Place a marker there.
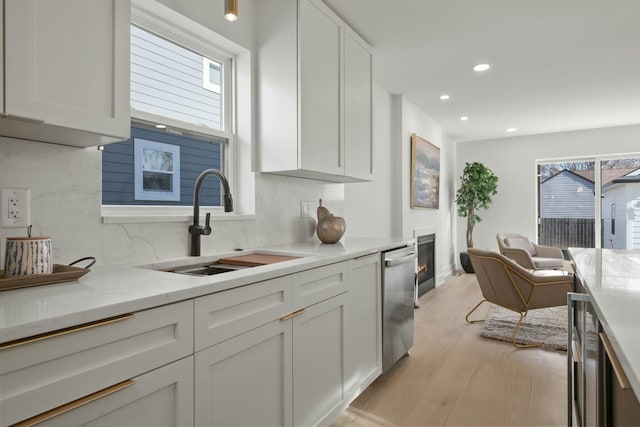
(454, 377)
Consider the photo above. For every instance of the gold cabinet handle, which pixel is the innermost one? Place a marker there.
(60, 332)
(74, 404)
(615, 362)
(294, 314)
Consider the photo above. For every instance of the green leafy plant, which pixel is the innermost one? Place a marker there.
(478, 185)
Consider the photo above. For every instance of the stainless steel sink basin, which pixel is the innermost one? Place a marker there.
(208, 269)
(233, 262)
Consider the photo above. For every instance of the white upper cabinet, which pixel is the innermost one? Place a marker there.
(358, 107)
(314, 94)
(66, 71)
(319, 40)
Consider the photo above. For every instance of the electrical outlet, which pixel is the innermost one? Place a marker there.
(15, 207)
(305, 208)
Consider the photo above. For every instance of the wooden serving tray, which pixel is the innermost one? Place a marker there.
(61, 273)
(254, 260)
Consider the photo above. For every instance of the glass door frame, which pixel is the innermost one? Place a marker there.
(597, 184)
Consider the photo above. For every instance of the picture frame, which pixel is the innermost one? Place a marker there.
(425, 174)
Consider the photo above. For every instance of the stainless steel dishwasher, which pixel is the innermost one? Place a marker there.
(398, 283)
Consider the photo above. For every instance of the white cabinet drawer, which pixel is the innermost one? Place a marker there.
(40, 375)
(227, 314)
(160, 398)
(318, 284)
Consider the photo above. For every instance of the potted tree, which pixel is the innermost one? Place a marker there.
(478, 184)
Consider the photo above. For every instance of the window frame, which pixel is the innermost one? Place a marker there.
(183, 31)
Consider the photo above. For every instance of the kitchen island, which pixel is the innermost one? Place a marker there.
(141, 345)
(611, 278)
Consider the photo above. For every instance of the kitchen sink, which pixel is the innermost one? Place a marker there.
(208, 269)
(227, 265)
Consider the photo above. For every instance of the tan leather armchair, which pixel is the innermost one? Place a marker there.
(505, 283)
(528, 254)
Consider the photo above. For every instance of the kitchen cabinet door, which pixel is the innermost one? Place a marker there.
(318, 361)
(246, 381)
(67, 65)
(358, 107)
(320, 35)
(363, 325)
(160, 398)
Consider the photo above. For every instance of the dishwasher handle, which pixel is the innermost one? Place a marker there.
(402, 260)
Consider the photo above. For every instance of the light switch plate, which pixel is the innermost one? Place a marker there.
(15, 207)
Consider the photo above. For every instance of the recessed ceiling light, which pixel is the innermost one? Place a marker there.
(444, 97)
(481, 67)
(464, 118)
(511, 129)
(161, 126)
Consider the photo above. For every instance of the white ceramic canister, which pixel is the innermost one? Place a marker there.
(28, 255)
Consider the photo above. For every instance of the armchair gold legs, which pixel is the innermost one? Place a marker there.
(472, 310)
(515, 329)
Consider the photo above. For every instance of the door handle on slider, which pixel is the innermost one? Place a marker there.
(615, 362)
(292, 315)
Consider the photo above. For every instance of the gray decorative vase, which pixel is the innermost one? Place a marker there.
(330, 228)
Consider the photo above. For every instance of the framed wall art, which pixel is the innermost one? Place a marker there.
(425, 173)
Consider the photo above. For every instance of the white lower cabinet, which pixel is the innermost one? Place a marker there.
(318, 360)
(43, 373)
(363, 329)
(160, 398)
(290, 351)
(246, 381)
(289, 371)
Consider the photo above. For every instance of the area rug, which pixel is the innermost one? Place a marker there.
(546, 326)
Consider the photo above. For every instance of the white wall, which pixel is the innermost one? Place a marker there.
(369, 205)
(514, 162)
(409, 119)
(382, 207)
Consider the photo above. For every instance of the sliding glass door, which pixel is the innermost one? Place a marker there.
(568, 215)
(566, 204)
(620, 205)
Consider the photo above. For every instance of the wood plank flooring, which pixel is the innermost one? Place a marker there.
(454, 377)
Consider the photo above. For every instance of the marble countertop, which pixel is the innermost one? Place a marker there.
(612, 279)
(113, 290)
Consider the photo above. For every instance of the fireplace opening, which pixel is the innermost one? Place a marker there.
(426, 263)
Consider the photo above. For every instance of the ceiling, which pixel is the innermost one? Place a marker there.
(556, 65)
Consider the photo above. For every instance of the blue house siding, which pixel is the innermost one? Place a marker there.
(567, 195)
(167, 77)
(196, 155)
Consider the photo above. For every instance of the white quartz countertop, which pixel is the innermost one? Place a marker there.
(113, 290)
(612, 279)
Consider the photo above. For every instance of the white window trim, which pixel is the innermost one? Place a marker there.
(157, 18)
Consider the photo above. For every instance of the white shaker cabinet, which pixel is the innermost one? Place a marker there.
(278, 344)
(46, 375)
(246, 380)
(363, 329)
(321, 148)
(160, 398)
(318, 361)
(314, 94)
(358, 107)
(66, 71)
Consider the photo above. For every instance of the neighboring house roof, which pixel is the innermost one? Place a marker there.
(626, 179)
(608, 175)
